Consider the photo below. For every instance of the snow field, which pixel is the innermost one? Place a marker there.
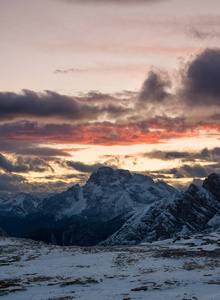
(172, 269)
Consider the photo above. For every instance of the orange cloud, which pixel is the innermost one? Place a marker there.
(152, 131)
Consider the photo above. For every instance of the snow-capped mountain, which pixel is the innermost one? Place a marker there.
(21, 204)
(196, 210)
(63, 205)
(13, 212)
(115, 206)
(107, 194)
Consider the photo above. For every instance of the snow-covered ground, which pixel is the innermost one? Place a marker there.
(179, 268)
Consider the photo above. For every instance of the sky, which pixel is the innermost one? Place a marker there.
(130, 84)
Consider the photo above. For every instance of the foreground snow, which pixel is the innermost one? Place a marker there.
(181, 268)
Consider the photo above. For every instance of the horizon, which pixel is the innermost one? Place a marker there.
(130, 85)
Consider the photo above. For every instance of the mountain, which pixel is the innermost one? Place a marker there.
(114, 207)
(78, 233)
(108, 195)
(14, 210)
(89, 214)
(21, 204)
(193, 211)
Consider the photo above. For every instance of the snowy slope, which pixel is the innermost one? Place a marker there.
(185, 268)
(196, 210)
(21, 204)
(107, 194)
(111, 192)
(65, 204)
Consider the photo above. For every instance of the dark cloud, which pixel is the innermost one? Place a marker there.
(188, 171)
(158, 176)
(33, 149)
(194, 171)
(23, 164)
(45, 152)
(77, 176)
(201, 79)
(40, 188)
(53, 105)
(126, 94)
(206, 155)
(10, 182)
(80, 167)
(95, 96)
(154, 89)
(166, 155)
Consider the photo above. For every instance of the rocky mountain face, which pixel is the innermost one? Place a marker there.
(114, 207)
(193, 211)
(13, 210)
(109, 194)
(21, 204)
(79, 233)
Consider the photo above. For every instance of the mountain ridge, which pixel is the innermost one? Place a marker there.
(132, 208)
(193, 211)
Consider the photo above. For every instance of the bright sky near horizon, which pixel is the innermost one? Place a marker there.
(120, 83)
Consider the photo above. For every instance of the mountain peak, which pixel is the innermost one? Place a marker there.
(212, 184)
(104, 175)
(196, 210)
(192, 189)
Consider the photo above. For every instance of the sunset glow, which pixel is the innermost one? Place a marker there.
(127, 84)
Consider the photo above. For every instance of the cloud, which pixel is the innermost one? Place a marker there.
(28, 148)
(202, 34)
(193, 171)
(10, 182)
(95, 96)
(45, 152)
(63, 119)
(153, 130)
(203, 27)
(154, 88)
(37, 188)
(71, 70)
(24, 164)
(206, 155)
(81, 167)
(166, 155)
(53, 105)
(201, 85)
(188, 171)
(78, 176)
